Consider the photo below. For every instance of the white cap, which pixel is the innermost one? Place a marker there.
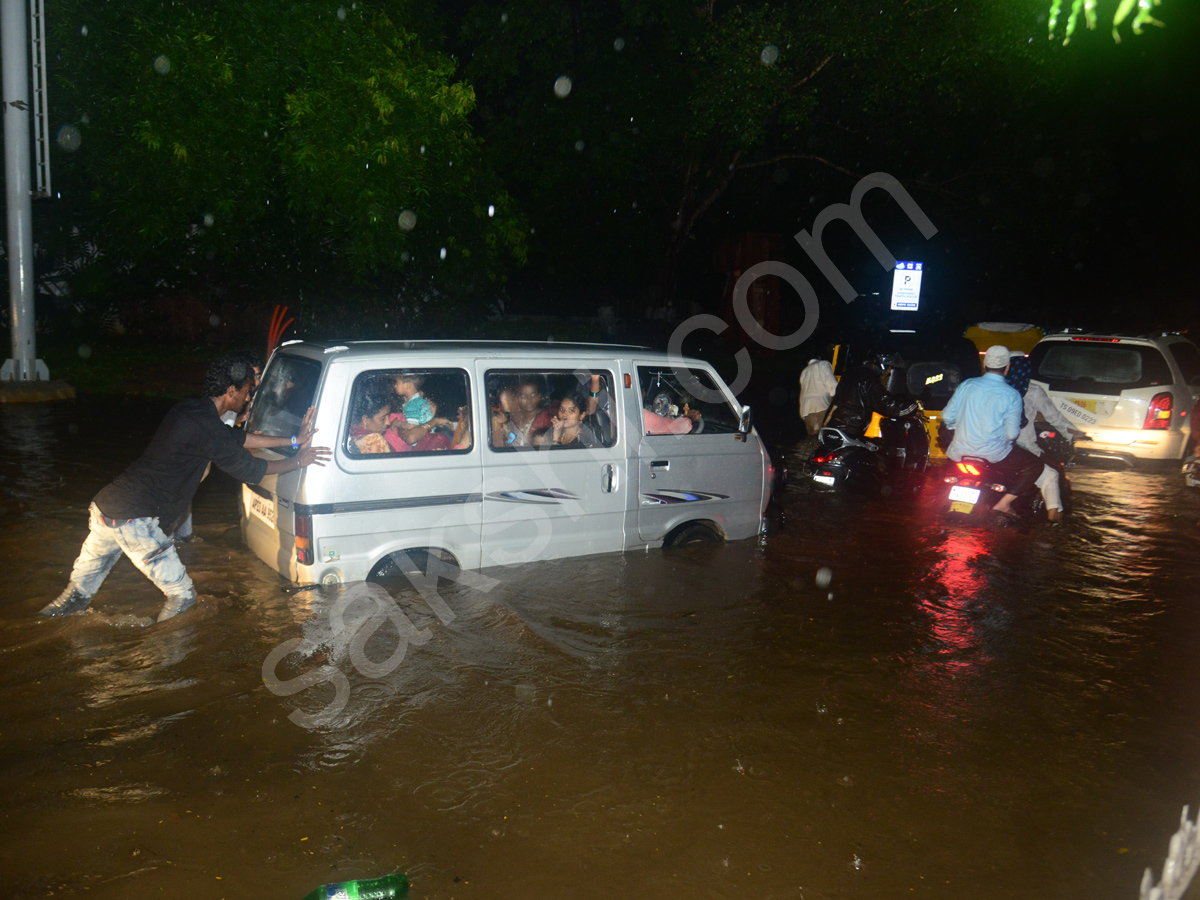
(997, 357)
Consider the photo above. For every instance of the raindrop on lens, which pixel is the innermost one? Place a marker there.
(562, 86)
(824, 577)
(503, 17)
(69, 138)
(341, 14)
(84, 351)
(491, 211)
(208, 220)
(85, 119)
(442, 253)
(83, 31)
(579, 146)
(405, 256)
(769, 54)
(214, 320)
(162, 65)
(407, 220)
(619, 44)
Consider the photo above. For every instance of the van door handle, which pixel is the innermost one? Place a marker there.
(659, 464)
(612, 478)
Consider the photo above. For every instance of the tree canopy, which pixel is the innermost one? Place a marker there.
(273, 138)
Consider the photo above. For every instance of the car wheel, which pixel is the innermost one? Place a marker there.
(695, 533)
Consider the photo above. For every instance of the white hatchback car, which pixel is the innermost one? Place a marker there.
(1134, 396)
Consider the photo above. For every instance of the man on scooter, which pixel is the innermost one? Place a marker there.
(861, 393)
(985, 413)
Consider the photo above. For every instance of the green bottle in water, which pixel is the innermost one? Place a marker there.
(389, 887)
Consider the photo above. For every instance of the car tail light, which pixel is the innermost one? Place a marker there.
(1158, 416)
(968, 468)
(304, 547)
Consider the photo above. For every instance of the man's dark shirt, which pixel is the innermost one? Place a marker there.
(161, 482)
(859, 394)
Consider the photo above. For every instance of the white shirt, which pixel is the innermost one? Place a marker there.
(817, 386)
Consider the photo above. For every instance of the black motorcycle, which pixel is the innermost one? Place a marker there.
(972, 488)
(894, 463)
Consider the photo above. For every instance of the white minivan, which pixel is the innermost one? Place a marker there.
(449, 449)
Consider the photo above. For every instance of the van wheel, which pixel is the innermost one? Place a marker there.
(695, 533)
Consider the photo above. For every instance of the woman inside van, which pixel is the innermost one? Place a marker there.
(372, 409)
(528, 417)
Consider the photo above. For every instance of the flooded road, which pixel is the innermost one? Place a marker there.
(960, 713)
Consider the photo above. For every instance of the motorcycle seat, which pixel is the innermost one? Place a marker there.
(828, 433)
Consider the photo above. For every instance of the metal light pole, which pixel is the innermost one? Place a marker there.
(24, 366)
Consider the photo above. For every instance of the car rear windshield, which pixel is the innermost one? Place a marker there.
(1098, 368)
(287, 391)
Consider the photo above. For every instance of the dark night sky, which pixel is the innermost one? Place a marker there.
(1079, 207)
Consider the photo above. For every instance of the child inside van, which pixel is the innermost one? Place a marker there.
(417, 410)
(373, 409)
(571, 425)
(503, 433)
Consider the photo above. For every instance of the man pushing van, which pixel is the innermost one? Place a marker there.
(127, 515)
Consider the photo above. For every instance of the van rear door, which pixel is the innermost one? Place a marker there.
(544, 501)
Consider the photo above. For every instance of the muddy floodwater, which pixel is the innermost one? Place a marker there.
(984, 713)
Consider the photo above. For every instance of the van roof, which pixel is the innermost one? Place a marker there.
(367, 349)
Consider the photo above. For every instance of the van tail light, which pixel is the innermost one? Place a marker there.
(968, 468)
(1158, 416)
(304, 547)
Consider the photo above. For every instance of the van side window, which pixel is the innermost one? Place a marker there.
(401, 411)
(668, 407)
(550, 409)
(287, 391)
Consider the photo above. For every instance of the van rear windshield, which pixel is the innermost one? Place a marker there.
(287, 391)
(1098, 368)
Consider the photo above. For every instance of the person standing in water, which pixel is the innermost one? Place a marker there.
(126, 516)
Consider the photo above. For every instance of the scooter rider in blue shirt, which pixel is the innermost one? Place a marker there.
(985, 413)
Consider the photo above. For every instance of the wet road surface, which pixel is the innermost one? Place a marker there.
(982, 713)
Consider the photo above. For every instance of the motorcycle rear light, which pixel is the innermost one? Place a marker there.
(304, 548)
(822, 458)
(967, 468)
(1158, 416)
(826, 473)
(951, 479)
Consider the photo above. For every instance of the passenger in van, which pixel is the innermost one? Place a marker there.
(572, 425)
(373, 409)
(681, 424)
(503, 432)
(404, 435)
(416, 408)
(528, 416)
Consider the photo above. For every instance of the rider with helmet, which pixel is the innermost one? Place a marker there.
(861, 393)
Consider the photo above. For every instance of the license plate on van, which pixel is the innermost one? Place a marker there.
(259, 507)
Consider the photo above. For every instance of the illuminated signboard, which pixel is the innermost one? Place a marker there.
(906, 286)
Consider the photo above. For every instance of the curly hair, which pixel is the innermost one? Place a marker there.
(229, 371)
